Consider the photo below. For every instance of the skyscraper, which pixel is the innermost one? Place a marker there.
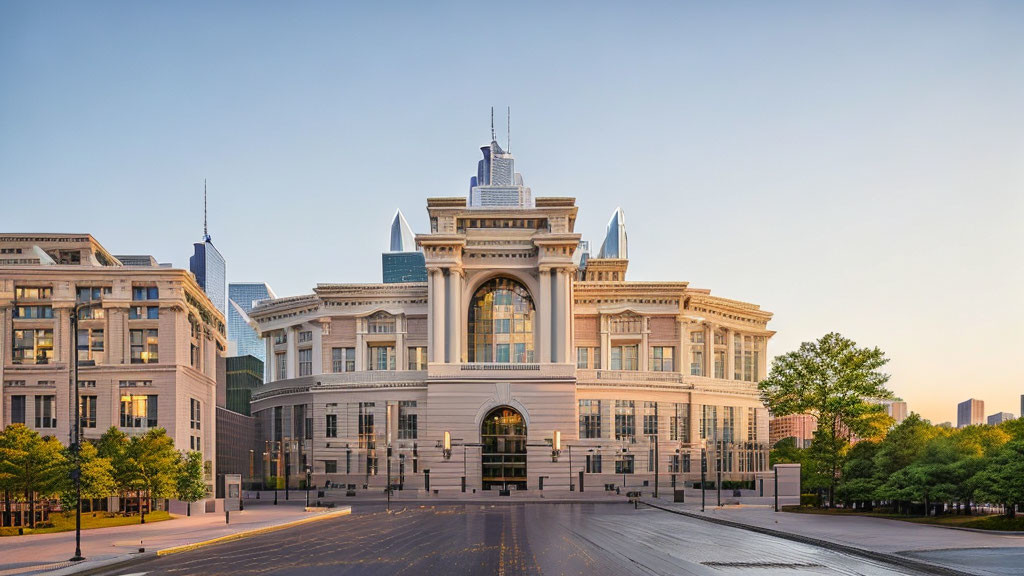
(209, 267)
(970, 412)
(496, 182)
(242, 296)
(404, 263)
(999, 418)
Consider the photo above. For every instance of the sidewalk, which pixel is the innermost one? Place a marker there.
(969, 551)
(45, 552)
(338, 497)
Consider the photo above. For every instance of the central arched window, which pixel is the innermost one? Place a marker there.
(501, 323)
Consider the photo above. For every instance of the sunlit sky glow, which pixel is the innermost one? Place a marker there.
(853, 167)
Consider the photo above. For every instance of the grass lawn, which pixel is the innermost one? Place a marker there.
(988, 522)
(65, 522)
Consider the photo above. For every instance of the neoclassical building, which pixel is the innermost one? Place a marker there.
(521, 362)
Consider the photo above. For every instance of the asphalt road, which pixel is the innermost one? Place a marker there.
(528, 539)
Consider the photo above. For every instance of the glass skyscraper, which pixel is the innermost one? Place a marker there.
(404, 263)
(241, 297)
(211, 272)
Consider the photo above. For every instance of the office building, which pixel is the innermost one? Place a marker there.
(209, 268)
(403, 263)
(243, 376)
(970, 412)
(242, 338)
(799, 427)
(999, 418)
(147, 343)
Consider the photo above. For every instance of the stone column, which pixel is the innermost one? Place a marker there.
(437, 308)
(292, 354)
(544, 305)
(606, 344)
(401, 353)
(557, 320)
(709, 350)
(643, 353)
(730, 354)
(682, 359)
(361, 351)
(454, 317)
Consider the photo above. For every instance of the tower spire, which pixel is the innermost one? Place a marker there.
(206, 232)
(492, 124)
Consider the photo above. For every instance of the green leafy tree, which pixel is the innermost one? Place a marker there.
(859, 481)
(113, 446)
(832, 379)
(190, 486)
(97, 476)
(153, 462)
(32, 464)
(1002, 479)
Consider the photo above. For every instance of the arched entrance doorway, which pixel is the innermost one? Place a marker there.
(503, 436)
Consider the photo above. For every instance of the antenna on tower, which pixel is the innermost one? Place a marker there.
(206, 233)
(492, 124)
(508, 131)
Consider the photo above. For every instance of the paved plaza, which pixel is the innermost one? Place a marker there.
(511, 539)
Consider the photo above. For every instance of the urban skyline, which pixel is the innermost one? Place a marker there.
(816, 160)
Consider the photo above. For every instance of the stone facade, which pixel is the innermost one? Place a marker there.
(145, 334)
(534, 370)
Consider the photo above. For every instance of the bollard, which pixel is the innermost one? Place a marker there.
(227, 516)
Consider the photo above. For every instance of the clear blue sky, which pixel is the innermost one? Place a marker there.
(853, 167)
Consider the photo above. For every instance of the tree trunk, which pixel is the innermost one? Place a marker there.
(188, 509)
(142, 511)
(8, 517)
(31, 509)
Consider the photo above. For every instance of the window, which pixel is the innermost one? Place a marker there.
(138, 411)
(673, 464)
(625, 420)
(709, 422)
(306, 362)
(153, 312)
(41, 293)
(281, 361)
(751, 425)
(46, 409)
(590, 418)
(367, 439)
(145, 293)
(84, 294)
(343, 359)
(728, 423)
(650, 418)
(719, 363)
(381, 323)
(195, 414)
(624, 358)
(747, 357)
(18, 409)
(144, 344)
(407, 420)
(582, 356)
(697, 357)
(281, 338)
(332, 426)
(624, 465)
(661, 358)
(417, 358)
(305, 336)
(679, 424)
(90, 345)
(330, 466)
(87, 411)
(33, 312)
(34, 346)
(382, 358)
(593, 464)
(500, 327)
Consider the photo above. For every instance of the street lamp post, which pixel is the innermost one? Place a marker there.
(703, 472)
(76, 441)
(309, 478)
(654, 440)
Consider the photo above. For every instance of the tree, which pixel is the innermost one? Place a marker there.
(113, 445)
(154, 465)
(190, 486)
(833, 380)
(97, 476)
(1002, 479)
(32, 464)
(859, 481)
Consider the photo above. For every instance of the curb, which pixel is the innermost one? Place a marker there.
(852, 550)
(253, 532)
